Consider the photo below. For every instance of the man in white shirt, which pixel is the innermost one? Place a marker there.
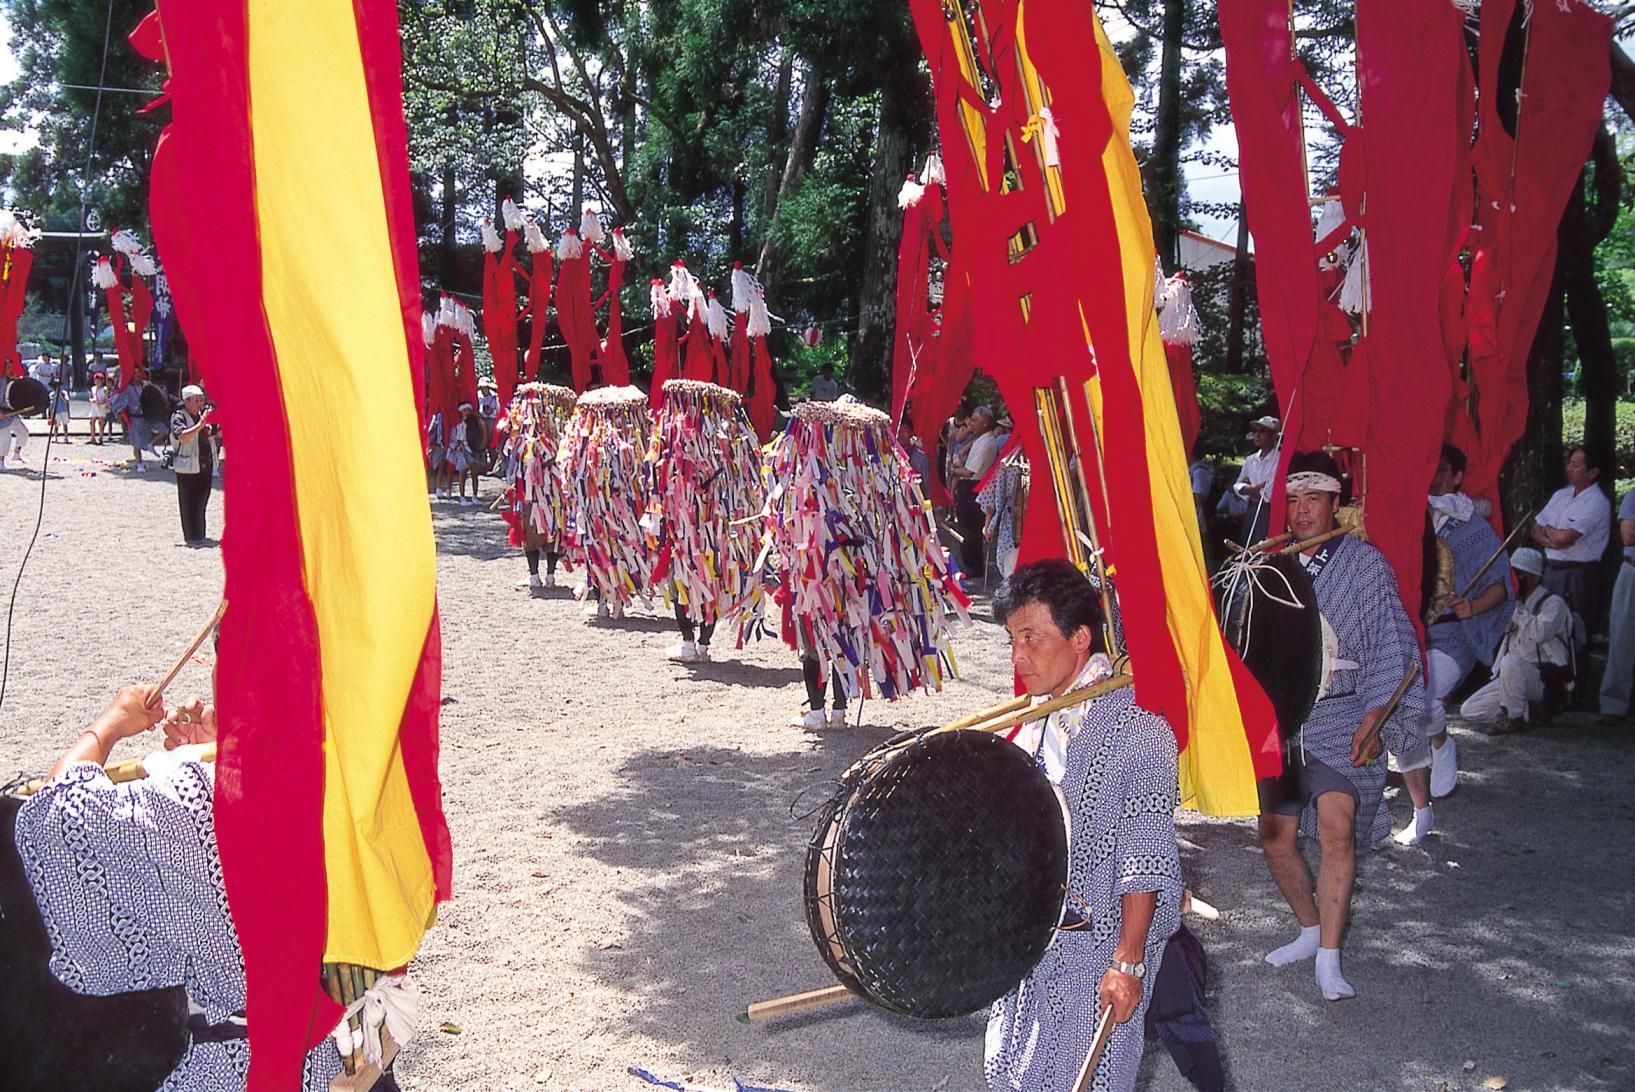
(1255, 479)
(978, 458)
(1619, 679)
(1540, 635)
(1572, 531)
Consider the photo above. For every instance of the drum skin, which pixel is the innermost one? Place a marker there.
(53, 1039)
(934, 882)
(1282, 646)
(26, 394)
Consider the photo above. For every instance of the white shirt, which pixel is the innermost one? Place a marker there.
(1540, 629)
(1258, 469)
(1589, 513)
(984, 449)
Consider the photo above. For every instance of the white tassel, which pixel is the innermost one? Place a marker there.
(933, 173)
(1049, 135)
(569, 247)
(1160, 285)
(468, 320)
(1178, 321)
(143, 265)
(683, 287)
(622, 251)
(1329, 220)
(760, 319)
(744, 287)
(124, 241)
(491, 238)
(103, 276)
(428, 328)
(660, 297)
(590, 226)
(715, 319)
(445, 312)
(910, 194)
(511, 215)
(1356, 296)
(14, 232)
(534, 237)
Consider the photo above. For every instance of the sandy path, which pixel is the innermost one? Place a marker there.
(628, 872)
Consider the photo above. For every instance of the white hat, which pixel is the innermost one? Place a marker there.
(192, 390)
(1528, 560)
(1268, 422)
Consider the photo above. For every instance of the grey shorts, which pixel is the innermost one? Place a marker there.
(1304, 779)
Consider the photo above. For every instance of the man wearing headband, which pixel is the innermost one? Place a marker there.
(1467, 634)
(1537, 641)
(1114, 766)
(1334, 768)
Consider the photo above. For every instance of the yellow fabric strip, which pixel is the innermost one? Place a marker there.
(330, 295)
(1217, 773)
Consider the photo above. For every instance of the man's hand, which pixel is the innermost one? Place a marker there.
(1121, 991)
(128, 713)
(1365, 742)
(189, 723)
(1460, 607)
(1253, 489)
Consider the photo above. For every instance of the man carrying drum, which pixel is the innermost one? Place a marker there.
(1334, 769)
(1114, 765)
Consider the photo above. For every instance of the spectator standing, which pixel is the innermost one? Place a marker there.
(910, 443)
(983, 450)
(99, 406)
(194, 462)
(59, 410)
(1256, 478)
(1616, 684)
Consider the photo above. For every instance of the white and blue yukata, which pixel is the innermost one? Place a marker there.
(129, 885)
(140, 430)
(1454, 647)
(1357, 594)
(1114, 764)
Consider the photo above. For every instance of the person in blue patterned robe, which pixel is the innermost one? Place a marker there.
(1334, 777)
(129, 885)
(1467, 634)
(1114, 765)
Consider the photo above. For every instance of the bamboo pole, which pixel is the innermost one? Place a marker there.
(158, 690)
(1104, 1028)
(1007, 715)
(795, 1002)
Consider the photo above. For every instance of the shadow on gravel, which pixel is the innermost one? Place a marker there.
(472, 532)
(713, 862)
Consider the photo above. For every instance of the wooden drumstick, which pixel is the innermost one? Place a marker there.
(1104, 1028)
(795, 1002)
(1503, 546)
(157, 691)
(1391, 706)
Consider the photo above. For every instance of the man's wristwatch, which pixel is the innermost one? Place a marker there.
(1138, 971)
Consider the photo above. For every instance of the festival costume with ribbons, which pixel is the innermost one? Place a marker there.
(532, 429)
(600, 468)
(128, 332)
(864, 585)
(16, 259)
(703, 482)
(1056, 242)
(327, 804)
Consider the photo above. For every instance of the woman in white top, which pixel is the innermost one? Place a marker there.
(99, 406)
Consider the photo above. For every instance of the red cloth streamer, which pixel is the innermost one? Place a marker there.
(1179, 358)
(500, 315)
(15, 262)
(665, 351)
(1523, 182)
(539, 295)
(465, 371)
(612, 360)
(922, 216)
(761, 409)
(699, 361)
(573, 310)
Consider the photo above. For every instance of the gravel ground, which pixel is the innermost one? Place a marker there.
(628, 870)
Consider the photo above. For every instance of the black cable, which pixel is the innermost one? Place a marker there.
(39, 518)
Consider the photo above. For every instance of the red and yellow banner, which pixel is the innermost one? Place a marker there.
(280, 199)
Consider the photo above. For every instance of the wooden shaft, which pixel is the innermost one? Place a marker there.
(158, 690)
(1104, 1028)
(1314, 540)
(1012, 706)
(795, 1002)
(1005, 720)
(1402, 690)
(1192, 904)
(1503, 546)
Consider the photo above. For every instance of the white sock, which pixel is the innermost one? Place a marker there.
(1414, 833)
(1329, 978)
(1302, 947)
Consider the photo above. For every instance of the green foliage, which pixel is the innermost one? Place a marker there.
(1572, 431)
(1229, 403)
(803, 363)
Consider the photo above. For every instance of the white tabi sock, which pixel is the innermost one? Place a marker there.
(1329, 979)
(1302, 947)
(1414, 833)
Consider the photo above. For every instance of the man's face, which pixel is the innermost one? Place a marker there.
(1044, 659)
(1265, 438)
(1312, 513)
(1579, 474)
(1447, 480)
(195, 404)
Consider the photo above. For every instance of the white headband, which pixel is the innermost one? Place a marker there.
(1310, 481)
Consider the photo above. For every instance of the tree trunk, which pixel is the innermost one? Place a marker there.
(1164, 164)
(1533, 470)
(1584, 224)
(446, 251)
(1238, 297)
(578, 205)
(777, 132)
(904, 114)
(1623, 81)
(814, 106)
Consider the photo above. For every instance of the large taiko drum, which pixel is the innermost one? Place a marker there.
(935, 879)
(52, 1038)
(1269, 616)
(25, 395)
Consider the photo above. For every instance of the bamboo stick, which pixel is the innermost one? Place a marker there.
(1104, 1028)
(1003, 720)
(157, 691)
(989, 713)
(795, 1002)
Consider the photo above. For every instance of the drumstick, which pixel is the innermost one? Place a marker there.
(1315, 540)
(1015, 704)
(1010, 719)
(157, 691)
(1390, 706)
(1104, 1028)
(757, 1011)
(1503, 546)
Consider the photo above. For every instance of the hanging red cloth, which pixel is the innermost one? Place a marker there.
(16, 259)
(665, 355)
(697, 363)
(1178, 326)
(614, 364)
(500, 307)
(539, 296)
(573, 313)
(744, 288)
(758, 324)
(922, 204)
